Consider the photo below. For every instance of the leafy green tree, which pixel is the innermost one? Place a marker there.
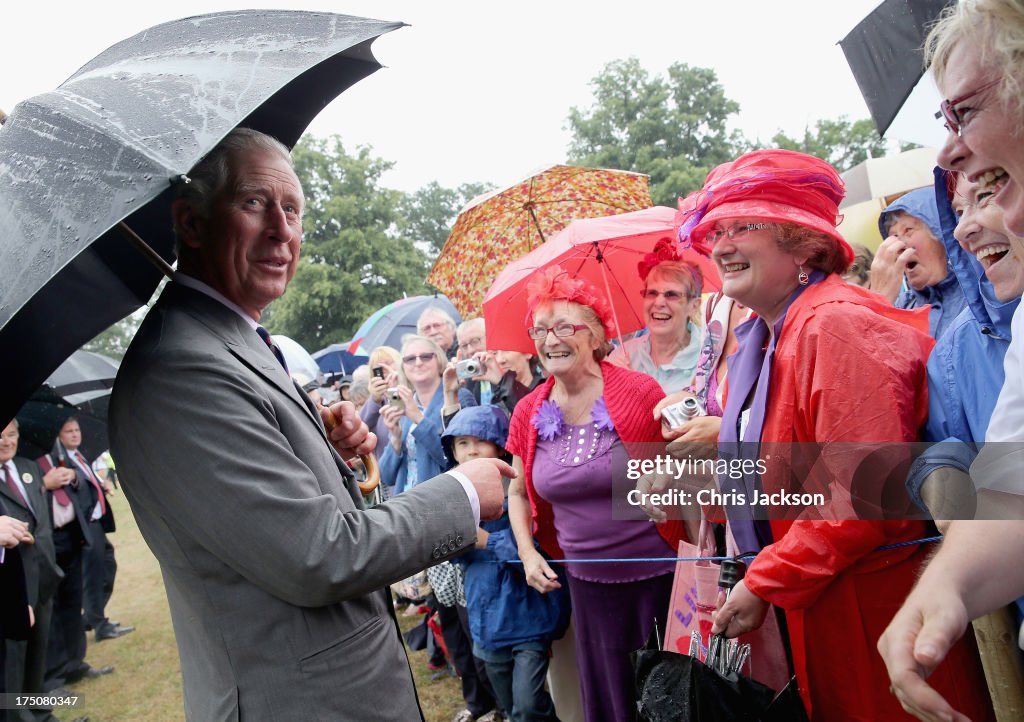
(353, 259)
(841, 142)
(428, 214)
(672, 128)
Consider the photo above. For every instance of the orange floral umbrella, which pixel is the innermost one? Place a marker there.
(499, 227)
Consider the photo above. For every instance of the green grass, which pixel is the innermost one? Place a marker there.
(146, 683)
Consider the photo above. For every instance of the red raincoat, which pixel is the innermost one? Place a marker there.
(845, 371)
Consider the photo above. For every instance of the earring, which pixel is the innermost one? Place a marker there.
(802, 278)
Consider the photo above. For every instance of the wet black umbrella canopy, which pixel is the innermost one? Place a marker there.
(108, 145)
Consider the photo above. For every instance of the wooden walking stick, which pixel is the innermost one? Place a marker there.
(1001, 659)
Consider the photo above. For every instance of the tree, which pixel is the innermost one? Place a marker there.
(429, 213)
(673, 128)
(842, 143)
(353, 259)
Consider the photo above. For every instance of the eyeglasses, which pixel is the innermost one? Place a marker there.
(561, 330)
(421, 357)
(949, 112)
(740, 229)
(472, 343)
(652, 295)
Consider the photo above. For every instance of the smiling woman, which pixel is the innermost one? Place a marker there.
(671, 293)
(569, 437)
(810, 368)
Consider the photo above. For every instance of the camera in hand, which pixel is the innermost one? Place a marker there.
(394, 399)
(467, 368)
(679, 413)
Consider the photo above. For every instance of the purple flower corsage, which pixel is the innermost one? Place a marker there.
(548, 420)
(602, 419)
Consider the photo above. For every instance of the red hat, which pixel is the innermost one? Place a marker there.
(772, 185)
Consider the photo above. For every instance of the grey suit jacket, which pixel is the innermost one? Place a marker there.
(275, 572)
(42, 575)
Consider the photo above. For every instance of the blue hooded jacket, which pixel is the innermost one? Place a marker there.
(503, 609)
(946, 297)
(965, 369)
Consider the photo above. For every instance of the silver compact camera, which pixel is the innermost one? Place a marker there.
(467, 368)
(679, 413)
(394, 399)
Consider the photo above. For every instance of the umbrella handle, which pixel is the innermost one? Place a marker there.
(369, 463)
(372, 474)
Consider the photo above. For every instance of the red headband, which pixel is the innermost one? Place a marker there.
(555, 284)
(665, 250)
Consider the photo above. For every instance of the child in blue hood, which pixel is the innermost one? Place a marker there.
(512, 624)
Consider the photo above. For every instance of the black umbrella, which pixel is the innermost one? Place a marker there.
(110, 142)
(885, 54)
(672, 687)
(80, 387)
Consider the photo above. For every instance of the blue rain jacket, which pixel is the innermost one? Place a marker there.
(946, 297)
(965, 369)
(503, 609)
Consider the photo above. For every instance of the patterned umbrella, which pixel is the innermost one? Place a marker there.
(501, 226)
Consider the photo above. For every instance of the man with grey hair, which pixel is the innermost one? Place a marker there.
(276, 573)
(438, 325)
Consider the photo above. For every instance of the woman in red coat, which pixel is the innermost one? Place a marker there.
(825, 374)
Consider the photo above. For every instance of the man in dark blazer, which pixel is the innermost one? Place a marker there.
(76, 513)
(275, 571)
(24, 497)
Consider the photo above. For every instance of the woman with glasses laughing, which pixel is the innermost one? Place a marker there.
(412, 412)
(671, 296)
(571, 438)
(827, 383)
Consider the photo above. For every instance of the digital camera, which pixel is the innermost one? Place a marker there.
(467, 368)
(394, 399)
(679, 413)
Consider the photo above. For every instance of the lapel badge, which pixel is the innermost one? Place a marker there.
(26, 478)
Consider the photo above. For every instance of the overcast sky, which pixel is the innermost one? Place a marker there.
(480, 91)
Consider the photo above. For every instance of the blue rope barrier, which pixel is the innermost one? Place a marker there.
(616, 560)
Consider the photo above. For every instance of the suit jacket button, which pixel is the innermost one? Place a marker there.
(459, 541)
(436, 554)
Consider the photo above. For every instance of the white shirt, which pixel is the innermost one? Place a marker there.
(1000, 464)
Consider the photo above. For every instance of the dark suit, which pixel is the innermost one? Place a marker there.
(275, 572)
(67, 646)
(26, 660)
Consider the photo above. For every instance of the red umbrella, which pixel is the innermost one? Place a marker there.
(604, 251)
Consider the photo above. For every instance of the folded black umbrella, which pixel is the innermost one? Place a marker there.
(673, 687)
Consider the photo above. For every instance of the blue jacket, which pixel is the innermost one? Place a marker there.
(503, 609)
(965, 369)
(946, 297)
(430, 459)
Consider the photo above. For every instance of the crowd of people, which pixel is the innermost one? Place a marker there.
(55, 516)
(503, 470)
